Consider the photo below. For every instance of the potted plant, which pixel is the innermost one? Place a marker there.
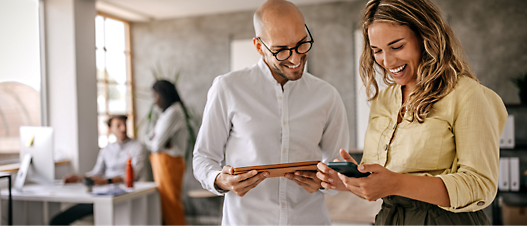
(521, 83)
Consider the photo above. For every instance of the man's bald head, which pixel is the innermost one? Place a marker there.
(273, 13)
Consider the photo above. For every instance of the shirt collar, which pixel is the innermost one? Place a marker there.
(171, 107)
(122, 144)
(267, 72)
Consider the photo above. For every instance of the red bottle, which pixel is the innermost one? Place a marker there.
(129, 174)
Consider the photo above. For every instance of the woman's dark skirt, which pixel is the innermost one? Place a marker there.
(397, 210)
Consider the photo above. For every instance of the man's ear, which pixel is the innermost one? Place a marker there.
(258, 46)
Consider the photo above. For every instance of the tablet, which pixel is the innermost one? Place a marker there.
(279, 170)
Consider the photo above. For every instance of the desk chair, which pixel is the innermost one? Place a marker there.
(209, 220)
(10, 200)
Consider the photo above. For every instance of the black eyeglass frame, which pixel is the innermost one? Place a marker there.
(291, 49)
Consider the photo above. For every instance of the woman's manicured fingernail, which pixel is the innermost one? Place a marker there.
(361, 167)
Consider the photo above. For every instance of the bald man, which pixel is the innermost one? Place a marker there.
(272, 112)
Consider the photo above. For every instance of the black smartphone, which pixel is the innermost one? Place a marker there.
(347, 168)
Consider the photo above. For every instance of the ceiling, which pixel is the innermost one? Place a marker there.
(148, 10)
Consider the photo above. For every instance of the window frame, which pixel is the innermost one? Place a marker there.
(131, 122)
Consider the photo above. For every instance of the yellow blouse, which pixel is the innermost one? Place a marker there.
(458, 142)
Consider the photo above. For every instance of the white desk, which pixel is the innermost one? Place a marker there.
(141, 206)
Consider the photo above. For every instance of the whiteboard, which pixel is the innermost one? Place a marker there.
(243, 54)
(362, 106)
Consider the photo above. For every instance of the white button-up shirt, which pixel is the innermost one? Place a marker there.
(171, 126)
(113, 158)
(248, 120)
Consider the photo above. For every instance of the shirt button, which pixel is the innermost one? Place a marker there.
(283, 204)
(386, 148)
(481, 203)
(285, 150)
(280, 97)
(284, 122)
(394, 126)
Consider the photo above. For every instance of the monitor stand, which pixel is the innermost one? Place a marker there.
(22, 172)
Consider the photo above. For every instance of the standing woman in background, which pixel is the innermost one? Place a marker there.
(432, 143)
(168, 144)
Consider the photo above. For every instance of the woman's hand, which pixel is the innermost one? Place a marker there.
(379, 184)
(329, 177)
(99, 181)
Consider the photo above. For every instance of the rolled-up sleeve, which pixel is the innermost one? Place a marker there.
(473, 183)
(213, 134)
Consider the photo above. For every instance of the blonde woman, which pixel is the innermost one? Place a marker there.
(432, 143)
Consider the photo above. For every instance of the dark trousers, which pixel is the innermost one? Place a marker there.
(72, 214)
(397, 210)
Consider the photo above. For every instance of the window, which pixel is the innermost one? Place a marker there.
(114, 77)
(20, 73)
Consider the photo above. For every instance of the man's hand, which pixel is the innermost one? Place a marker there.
(239, 184)
(74, 178)
(99, 181)
(307, 179)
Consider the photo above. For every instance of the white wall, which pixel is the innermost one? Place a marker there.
(71, 79)
(243, 54)
(363, 106)
(19, 42)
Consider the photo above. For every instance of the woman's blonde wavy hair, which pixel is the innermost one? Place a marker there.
(441, 59)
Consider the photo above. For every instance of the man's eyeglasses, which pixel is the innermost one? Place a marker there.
(301, 48)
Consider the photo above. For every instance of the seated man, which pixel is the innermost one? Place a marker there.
(110, 168)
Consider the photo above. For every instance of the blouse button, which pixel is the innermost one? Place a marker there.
(386, 148)
(481, 203)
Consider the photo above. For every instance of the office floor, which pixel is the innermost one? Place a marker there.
(350, 223)
(205, 220)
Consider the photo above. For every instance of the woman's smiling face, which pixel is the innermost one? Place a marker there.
(398, 49)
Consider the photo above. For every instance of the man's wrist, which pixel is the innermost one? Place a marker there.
(217, 187)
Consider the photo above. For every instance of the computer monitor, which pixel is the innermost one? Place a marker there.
(38, 142)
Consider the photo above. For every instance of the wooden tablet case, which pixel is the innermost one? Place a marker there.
(279, 170)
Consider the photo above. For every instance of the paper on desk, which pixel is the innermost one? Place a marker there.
(111, 189)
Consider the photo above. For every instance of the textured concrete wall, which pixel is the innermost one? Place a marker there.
(199, 48)
(493, 33)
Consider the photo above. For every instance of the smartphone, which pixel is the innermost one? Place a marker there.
(347, 168)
